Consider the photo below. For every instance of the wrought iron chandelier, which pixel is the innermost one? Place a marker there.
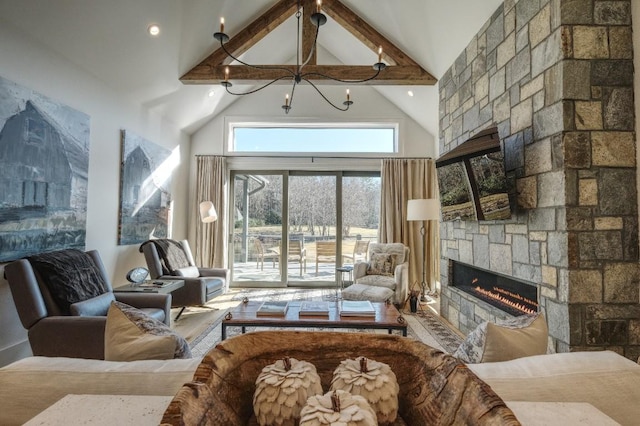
(318, 19)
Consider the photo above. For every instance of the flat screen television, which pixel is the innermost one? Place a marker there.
(472, 180)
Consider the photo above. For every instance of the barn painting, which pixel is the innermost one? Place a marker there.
(44, 165)
(145, 190)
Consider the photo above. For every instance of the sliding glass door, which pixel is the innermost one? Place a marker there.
(294, 227)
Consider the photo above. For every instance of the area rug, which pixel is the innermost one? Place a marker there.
(201, 326)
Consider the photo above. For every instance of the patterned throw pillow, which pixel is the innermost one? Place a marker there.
(513, 338)
(131, 335)
(382, 264)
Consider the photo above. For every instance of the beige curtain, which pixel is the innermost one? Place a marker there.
(211, 185)
(406, 179)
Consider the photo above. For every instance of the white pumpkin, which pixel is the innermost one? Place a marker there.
(373, 380)
(337, 408)
(282, 389)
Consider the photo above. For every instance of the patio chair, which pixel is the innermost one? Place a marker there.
(263, 253)
(325, 252)
(297, 253)
(359, 252)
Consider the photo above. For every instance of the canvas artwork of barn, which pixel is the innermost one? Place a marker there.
(44, 164)
(145, 190)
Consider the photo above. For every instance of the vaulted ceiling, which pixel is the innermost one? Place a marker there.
(109, 40)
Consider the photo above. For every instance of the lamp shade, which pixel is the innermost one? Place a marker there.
(208, 212)
(423, 209)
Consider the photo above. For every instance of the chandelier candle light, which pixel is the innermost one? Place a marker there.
(423, 210)
(318, 19)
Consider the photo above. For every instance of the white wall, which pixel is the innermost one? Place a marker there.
(30, 64)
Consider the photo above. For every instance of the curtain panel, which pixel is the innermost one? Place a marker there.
(405, 179)
(211, 185)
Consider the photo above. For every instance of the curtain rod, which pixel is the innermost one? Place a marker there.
(312, 157)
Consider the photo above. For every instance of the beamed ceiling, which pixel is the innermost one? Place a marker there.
(173, 74)
(400, 70)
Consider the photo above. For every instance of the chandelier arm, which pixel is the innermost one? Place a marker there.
(293, 90)
(325, 98)
(259, 67)
(258, 89)
(304, 76)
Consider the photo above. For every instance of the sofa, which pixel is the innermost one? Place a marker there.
(604, 379)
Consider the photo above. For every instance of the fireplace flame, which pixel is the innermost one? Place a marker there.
(496, 295)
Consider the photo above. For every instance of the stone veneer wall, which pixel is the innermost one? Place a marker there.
(555, 76)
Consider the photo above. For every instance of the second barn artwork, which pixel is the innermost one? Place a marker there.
(145, 190)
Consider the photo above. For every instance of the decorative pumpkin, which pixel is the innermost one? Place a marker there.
(373, 380)
(337, 408)
(282, 389)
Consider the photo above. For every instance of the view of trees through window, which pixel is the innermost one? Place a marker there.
(314, 223)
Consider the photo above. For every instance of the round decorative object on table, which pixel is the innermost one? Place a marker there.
(137, 275)
(373, 380)
(282, 389)
(337, 407)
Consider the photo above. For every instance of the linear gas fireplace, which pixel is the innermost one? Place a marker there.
(505, 293)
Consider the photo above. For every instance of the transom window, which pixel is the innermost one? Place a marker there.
(367, 138)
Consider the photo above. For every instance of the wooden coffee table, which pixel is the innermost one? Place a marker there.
(387, 318)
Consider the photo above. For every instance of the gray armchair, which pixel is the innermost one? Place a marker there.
(76, 331)
(200, 284)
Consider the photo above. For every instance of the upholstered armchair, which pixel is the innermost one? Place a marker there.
(170, 259)
(58, 328)
(387, 268)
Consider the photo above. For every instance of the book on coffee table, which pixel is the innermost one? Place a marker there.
(357, 308)
(314, 308)
(273, 308)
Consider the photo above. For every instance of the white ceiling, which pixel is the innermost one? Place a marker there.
(109, 39)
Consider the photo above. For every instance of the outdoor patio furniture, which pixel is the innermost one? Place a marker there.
(359, 252)
(298, 253)
(263, 253)
(325, 252)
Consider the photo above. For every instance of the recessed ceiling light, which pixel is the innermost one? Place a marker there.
(410, 93)
(153, 29)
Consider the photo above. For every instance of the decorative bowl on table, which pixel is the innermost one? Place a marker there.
(434, 388)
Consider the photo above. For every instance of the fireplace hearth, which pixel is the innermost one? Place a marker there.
(505, 293)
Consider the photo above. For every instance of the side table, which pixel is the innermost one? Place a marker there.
(151, 286)
(340, 271)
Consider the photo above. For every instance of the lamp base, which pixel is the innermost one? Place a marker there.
(424, 297)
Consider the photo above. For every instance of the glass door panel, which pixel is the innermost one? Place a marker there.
(360, 216)
(312, 228)
(257, 227)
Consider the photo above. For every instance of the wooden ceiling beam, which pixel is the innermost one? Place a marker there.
(364, 32)
(398, 75)
(402, 70)
(254, 32)
(308, 32)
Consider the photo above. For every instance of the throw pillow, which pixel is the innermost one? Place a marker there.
(517, 337)
(131, 335)
(381, 264)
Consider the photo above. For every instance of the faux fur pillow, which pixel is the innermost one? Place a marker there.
(382, 264)
(131, 335)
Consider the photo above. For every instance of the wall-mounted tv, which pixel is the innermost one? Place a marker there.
(472, 180)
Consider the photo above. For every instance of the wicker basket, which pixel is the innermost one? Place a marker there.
(435, 388)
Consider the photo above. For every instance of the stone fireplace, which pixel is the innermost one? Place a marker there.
(556, 78)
